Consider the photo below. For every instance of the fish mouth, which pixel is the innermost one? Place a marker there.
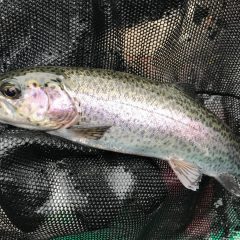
(9, 115)
(7, 112)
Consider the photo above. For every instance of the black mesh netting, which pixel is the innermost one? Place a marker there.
(54, 189)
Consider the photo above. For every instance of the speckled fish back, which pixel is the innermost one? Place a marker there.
(152, 119)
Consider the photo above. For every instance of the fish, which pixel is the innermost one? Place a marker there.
(125, 113)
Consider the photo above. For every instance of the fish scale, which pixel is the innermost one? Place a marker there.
(129, 114)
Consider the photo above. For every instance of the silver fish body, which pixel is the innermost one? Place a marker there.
(157, 120)
(140, 117)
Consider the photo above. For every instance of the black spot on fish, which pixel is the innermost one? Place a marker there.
(58, 71)
(189, 150)
(58, 80)
(61, 86)
(53, 68)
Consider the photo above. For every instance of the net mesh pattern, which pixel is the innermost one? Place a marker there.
(54, 189)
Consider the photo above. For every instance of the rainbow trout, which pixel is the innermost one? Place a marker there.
(124, 113)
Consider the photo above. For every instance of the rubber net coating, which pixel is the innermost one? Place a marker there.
(54, 189)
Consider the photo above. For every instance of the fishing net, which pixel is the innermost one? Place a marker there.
(54, 189)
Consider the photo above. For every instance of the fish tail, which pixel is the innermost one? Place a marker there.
(230, 183)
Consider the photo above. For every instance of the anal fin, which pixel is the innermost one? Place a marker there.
(188, 174)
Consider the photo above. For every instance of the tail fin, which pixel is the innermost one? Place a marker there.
(231, 183)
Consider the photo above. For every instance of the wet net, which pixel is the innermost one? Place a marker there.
(54, 189)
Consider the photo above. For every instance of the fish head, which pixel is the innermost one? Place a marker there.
(36, 100)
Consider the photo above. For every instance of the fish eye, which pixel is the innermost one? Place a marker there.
(10, 90)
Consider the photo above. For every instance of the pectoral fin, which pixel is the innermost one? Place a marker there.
(91, 132)
(231, 183)
(189, 174)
